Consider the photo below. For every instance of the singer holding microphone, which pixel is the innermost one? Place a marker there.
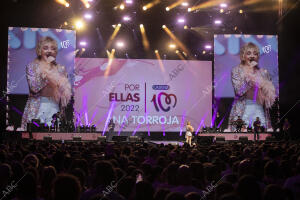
(253, 88)
(49, 87)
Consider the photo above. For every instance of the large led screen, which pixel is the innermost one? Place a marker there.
(142, 95)
(39, 73)
(245, 79)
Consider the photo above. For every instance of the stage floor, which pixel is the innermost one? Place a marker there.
(94, 136)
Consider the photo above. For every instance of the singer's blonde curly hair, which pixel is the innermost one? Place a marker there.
(247, 46)
(43, 40)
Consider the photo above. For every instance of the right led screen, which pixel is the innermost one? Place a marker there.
(245, 80)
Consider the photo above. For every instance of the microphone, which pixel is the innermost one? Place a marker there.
(51, 59)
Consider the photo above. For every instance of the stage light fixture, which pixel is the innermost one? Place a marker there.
(185, 4)
(114, 26)
(241, 11)
(122, 7)
(79, 24)
(88, 16)
(167, 8)
(189, 9)
(181, 20)
(67, 5)
(156, 51)
(83, 49)
(141, 26)
(218, 22)
(221, 10)
(203, 52)
(129, 2)
(120, 44)
(164, 26)
(126, 18)
(185, 27)
(207, 46)
(177, 51)
(223, 5)
(66, 23)
(144, 7)
(172, 46)
(82, 43)
(119, 25)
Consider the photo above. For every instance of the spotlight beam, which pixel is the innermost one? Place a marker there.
(174, 5)
(205, 5)
(174, 38)
(111, 56)
(144, 38)
(161, 65)
(151, 4)
(112, 37)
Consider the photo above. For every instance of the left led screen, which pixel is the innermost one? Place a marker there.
(39, 73)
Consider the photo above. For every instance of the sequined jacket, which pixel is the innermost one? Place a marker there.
(35, 83)
(241, 86)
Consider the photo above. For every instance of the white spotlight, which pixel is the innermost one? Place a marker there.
(120, 44)
(218, 22)
(126, 18)
(223, 5)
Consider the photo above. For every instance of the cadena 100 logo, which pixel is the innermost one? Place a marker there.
(164, 101)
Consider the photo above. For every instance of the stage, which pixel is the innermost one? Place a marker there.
(126, 136)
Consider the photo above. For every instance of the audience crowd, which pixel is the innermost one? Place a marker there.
(40, 170)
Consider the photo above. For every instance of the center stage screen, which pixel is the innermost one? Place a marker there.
(142, 95)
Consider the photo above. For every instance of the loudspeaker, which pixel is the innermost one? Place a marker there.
(77, 138)
(134, 139)
(119, 138)
(205, 139)
(243, 139)
(47, 138)
(102, 138)
(220, 139)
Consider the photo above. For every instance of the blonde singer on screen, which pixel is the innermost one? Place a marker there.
(188, 134)
(253, 88)
(49, 87)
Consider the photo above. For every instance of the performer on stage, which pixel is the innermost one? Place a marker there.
(188, 134)
(49, 87)
(256, 126)
(254, 90)
(111, 126)
(239, 124)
